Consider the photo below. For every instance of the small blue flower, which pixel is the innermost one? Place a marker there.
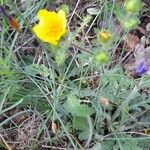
(141, 68)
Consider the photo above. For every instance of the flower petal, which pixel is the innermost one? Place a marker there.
(141, 68)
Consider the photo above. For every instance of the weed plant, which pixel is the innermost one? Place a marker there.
(75, 95)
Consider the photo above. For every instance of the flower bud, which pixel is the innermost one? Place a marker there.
(104, 36)
(54, 127)
(101, 58)
(132, 23)
(104, 101)
(133, 6)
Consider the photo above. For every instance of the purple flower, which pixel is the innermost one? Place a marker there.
(141, 67)
(2, 10)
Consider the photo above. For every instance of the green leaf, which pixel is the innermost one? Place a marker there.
(38, 69)
(75, 108)
(11, 107)
(84, 135)
(144, 144)
(107, 145)
(84, 111)
(80, 123)
(119, 12)
(128, 143)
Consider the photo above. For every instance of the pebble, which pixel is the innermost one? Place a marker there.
(148, 27)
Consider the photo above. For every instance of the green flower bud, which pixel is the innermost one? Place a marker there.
(133, 6)
(131, 23)
(101, 58)
(104, 36)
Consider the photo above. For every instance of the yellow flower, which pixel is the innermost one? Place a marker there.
(51, 26)
(104, 36)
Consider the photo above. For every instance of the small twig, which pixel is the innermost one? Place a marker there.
(25, 43)
(74, 11)
(81, 49)
(138, 133)
(4, 141)
(77, 141)
(130, 52)
(53, 147)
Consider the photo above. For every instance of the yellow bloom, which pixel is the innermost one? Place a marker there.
(104, 36)
(51, 26)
